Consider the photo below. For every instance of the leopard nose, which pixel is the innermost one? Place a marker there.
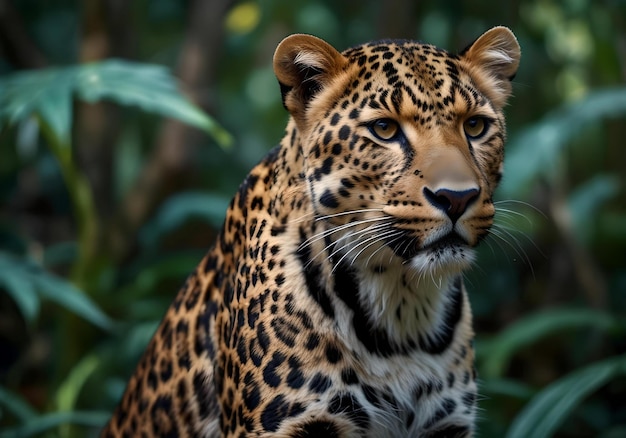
(453, 202)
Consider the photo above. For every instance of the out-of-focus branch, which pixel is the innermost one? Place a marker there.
(170, 166)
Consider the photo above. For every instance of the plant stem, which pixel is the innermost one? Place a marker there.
(84, 269)
(83, 204)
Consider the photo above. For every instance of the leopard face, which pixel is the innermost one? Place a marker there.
(404, 146)
(332, 303)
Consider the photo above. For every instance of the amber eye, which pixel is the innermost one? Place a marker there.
(475, 127)
(385, 129)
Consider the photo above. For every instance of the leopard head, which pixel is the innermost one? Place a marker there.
(402, 143)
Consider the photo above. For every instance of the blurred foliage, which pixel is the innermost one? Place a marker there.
(85, 278)
(48, 93)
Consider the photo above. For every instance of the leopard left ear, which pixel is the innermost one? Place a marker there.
(494, 58)
(304, 65)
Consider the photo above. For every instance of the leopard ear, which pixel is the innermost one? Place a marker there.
(304, 65)
(494, 58)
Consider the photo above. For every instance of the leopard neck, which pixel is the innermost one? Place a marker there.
(389, 312)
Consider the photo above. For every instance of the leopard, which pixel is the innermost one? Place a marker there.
(332, 303)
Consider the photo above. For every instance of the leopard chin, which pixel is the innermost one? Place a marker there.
(447, 256)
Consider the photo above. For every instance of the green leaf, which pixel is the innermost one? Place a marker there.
(44, 93)
(55, 107)
(43, 423)
(534, 150)
(150, 87)
(551, 407)
(180, 208)
(22, 93)
(19, 288)
(69, 390)
(27, 283)
(16, 405)
(48, 94)
(494, 354)
(67, 295)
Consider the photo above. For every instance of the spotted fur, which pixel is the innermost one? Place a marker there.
(332, 303)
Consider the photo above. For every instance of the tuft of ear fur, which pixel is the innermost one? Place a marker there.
(304, 65)
(493, 59)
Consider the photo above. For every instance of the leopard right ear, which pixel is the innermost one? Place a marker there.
(304, 65)
(494, 58)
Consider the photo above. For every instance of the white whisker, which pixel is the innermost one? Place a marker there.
(369, 229)
(302, 218)
(512, 230)
(359, 243)
(506, 213)
(398, 234)
(328, 232)
(503, 234)
(345, 213)
(526, 204)
(377, 238)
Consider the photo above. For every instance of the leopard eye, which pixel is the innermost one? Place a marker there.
(385, 129)
(475, 127)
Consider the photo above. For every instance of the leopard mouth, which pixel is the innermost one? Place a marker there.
(407, 248)
(452, 240)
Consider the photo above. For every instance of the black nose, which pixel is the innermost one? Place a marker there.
(453, 202)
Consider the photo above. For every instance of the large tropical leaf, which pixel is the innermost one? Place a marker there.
(494, 354)
(48, 94)
(27, 284)
(552, 406)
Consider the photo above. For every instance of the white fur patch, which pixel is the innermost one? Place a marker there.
(309, 59)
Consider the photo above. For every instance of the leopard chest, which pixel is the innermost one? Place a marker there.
(411, 398)
(408, 373)
(316, 342)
